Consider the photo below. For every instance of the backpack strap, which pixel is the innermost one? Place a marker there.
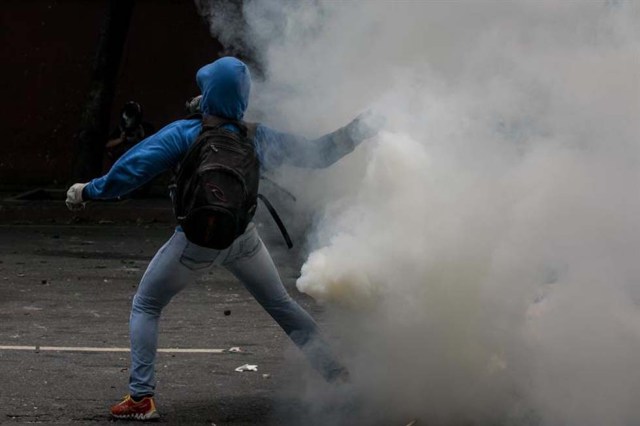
(277, 219)
(251, 130)
(247, 129)
(214, 122)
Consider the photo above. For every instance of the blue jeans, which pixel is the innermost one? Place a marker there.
(179, 262)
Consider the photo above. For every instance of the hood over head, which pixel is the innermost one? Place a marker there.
(225, 85)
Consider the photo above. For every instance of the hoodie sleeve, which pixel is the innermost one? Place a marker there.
(276, 148)
(154, 155)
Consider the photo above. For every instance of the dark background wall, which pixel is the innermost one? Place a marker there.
(46, 51)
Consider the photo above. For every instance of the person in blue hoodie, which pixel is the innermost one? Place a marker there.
(225, 86)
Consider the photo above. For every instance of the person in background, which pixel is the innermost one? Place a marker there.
(131, 130)
(225, 86)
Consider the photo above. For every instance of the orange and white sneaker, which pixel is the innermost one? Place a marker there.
(145, 409)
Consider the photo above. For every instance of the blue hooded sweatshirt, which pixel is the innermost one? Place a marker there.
(225, 85)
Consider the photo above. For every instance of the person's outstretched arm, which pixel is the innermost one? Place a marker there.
(276, 148)
(154, 155)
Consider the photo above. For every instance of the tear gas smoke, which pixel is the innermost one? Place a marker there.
(479, 258)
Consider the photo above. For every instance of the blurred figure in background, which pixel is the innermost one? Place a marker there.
(131, 130)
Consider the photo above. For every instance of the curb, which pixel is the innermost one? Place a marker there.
(55, 211)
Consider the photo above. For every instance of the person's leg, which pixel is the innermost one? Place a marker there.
(176, 264)
(251, 263)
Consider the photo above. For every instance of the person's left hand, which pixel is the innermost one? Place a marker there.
(366, 125)
(74, 197)
(114, 142)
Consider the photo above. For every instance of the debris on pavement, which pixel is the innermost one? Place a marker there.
(247, 367)
(266, 376)
(227, 312)
(235, 349)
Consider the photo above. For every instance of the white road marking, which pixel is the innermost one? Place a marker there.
(94, 349)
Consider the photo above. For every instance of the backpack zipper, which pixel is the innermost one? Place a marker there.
(228, 148)
(225, 169)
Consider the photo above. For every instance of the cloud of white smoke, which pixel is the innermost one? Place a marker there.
(481, 254)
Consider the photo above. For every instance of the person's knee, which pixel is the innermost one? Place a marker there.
(283, 302)
(147, 305)
(302, 337)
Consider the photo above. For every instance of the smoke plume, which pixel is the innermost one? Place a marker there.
(479, 257)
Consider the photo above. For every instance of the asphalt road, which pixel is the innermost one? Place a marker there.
(71, 286)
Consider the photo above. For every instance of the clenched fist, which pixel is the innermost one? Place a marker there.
(74, 196)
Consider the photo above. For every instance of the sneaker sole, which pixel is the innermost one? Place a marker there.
(139, 416)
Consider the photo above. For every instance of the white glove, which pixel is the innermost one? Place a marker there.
(74, 196)
(193, 105)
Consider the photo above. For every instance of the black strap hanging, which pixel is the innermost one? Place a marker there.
(277, 219)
